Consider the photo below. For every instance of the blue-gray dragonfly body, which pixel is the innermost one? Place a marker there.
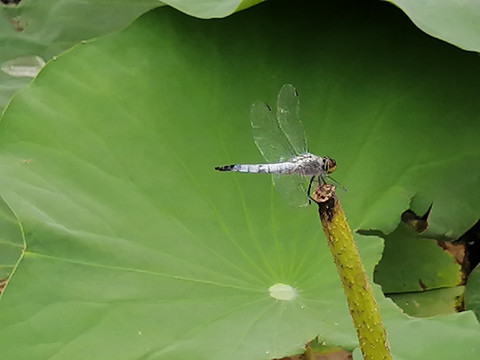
(283, 144)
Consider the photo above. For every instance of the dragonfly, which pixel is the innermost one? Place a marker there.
(282, 142)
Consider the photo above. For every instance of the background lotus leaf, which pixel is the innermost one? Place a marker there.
(454, 21)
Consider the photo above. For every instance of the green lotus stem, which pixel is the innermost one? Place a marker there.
(363, 307)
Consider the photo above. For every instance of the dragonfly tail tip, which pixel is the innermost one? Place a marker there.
(224, 168)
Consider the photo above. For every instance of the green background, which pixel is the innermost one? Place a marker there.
(137, 248)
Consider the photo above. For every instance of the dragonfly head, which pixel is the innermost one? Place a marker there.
(330, 165)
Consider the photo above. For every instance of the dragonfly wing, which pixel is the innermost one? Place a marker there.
(288, 114)
(292, 189)
(270, 139)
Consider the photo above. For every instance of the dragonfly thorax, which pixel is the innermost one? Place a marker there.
(312, 165)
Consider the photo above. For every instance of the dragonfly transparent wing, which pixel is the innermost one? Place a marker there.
(288, 114)
(292, 189)
(280, 138)
(269, 137)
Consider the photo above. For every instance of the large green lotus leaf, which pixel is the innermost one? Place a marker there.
(137, 248)
(11, 240)
(49, 27)
(455, 21)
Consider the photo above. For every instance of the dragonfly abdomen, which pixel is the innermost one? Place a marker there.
(277, 168)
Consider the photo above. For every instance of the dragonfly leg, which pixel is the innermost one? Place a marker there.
(309, 190)
(321, 180)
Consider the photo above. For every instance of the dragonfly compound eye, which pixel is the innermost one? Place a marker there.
(330, 165)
